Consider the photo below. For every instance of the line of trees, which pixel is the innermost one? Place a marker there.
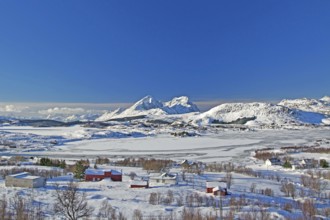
(52, 162)
(151, 164)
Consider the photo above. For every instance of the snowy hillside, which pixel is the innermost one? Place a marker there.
(108, 115)
(256, 114)
(308, 105)
(326, 99)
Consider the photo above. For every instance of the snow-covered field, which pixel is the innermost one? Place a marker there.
(221, 146)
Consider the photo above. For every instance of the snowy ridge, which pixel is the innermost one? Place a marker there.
(257, 114)
(149, 106)
(108, 115)
(263, 113)
(326, 99)
(309, 105)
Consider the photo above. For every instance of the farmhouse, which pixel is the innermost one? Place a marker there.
(25, 180)
(165, 178)
(98, 174)
(273, 161)
(210, 185)
(308, 163)
(220, 191)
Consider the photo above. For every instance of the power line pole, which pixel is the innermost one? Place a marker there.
(220, 204)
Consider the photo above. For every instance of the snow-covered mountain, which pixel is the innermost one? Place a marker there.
(326, 99)
(108, 115)
(287, 112)
(309, 105)
(256, 113)
(180, 105)
(149, 106)
(146, 106)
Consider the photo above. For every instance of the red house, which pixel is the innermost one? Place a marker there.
(220, 191)
(97, 175)
(211, 185)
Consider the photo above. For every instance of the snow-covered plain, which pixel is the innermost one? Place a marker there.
(222, 146)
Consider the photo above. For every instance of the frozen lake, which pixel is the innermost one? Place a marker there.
(223, 146)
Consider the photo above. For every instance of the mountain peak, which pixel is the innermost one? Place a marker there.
(180, 105)
(147, 103)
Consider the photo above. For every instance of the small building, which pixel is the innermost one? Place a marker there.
(114, 175)
(25, 179)
(219, 191)
(99, 174)
(139, 184)
(164, 179)
(210, 185)
(273, 161)
(192, 166)
(308, 163)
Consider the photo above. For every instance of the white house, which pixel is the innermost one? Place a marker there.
(273, 161)
(308, 163)
(25, 179)
(164, 179)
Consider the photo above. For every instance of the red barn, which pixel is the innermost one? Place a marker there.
(97, 175)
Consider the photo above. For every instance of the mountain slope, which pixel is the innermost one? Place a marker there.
(257, 114)
(108, 115)
(309, 105)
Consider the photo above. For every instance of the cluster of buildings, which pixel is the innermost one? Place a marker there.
(27, 180)
(296, 164)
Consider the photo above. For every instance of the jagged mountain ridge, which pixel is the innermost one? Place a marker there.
(150, 106)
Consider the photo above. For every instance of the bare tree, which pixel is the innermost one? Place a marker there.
(137, 214)
(229, 179)
(3, 207)
(308, 209)
(253, 187)
(107, 211)
(20, 207)
(153, 198)
(132, 175)
(71, 203)
(289, 189)
(170, 196)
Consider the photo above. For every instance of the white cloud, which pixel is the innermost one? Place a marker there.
(62, 111)
(11, 108)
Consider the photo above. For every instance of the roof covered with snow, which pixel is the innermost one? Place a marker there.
(94, 172)
(91, 171)
(24, 175)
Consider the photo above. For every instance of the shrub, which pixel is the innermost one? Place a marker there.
(324, 163)
(287, 164)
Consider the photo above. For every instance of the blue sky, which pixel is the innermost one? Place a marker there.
(120, 51)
